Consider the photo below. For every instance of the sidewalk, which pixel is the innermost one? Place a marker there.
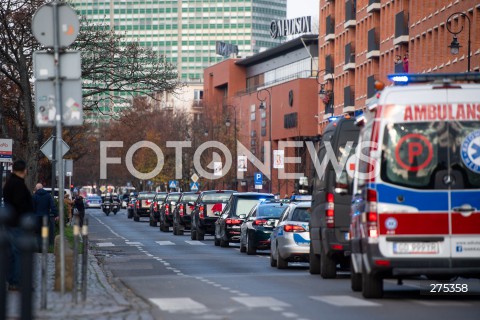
(103, 301)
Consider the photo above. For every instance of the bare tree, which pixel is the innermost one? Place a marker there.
(113, 70)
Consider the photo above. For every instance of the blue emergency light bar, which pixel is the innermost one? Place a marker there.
(406, 78)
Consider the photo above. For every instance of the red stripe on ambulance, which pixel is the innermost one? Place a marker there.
(415, 223)
(466, 224)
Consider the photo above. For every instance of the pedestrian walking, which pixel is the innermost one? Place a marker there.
(19, 200)
(43, 205)
(79, 204)
(69, 203)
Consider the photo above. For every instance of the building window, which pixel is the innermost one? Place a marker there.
(198, 94)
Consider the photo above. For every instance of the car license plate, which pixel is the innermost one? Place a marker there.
(415, 247)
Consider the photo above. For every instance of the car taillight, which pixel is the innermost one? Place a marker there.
(148, 202)
(233, 221)
(259, 222)
(293, 228)
(180, 209)
(155, 206)
(329, 212)
(372, 216)
(201, 212)
(138, 204)
(167, 209)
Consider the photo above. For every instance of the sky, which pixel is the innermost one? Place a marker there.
(301, 8)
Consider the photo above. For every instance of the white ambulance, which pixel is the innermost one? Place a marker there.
(416, 192)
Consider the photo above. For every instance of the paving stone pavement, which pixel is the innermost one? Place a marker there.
(106, 298)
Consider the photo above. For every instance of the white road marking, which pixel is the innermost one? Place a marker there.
(442, 303)
(290, 315)
(105, 244)
(165, 243)
(195, 243)
(185, 305)
(345, 301)
(258, 302)
(133, 243)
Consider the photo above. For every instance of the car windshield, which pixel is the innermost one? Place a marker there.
(189, 197)
(146, 196)
(270, 211)
(301, 214)
(244, 205)
(173, 197)
(160, 197)
(216, 197)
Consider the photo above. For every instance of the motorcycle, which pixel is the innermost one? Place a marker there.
(115, 207)
(107, 208)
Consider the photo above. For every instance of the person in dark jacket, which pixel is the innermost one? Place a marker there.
(19, 200)
(79, 204)
(43, 205)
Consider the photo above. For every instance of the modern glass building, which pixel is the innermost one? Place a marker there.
(186, 31)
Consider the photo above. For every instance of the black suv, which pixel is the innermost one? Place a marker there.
(166, 211)
(227, 227)
(181, 214)
(207, 209)
(330, 218)
(142, 207)
(155, 207)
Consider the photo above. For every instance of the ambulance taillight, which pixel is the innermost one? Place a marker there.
(372, 216)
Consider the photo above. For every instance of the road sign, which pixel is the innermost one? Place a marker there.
(69, 167)
(194, 177)
(43, 25)
(172, 184)
(47, 148)
(6, 150)
(44, 65)
(194, 186)
(258, 180)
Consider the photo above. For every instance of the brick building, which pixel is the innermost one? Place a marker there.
(361, 41)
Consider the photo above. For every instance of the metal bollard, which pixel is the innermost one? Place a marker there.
(27, 244)
(45, 240)
(75, 259)
(4, 249)
(84, 258)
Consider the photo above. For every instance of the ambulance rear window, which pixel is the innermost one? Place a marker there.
(420, 154)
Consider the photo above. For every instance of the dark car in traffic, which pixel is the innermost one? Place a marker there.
(207, 209)
(181, 214)
(132, 202)
(166, 211)
(142, 206)
(258, 226)
(155, 207)
(227, 226)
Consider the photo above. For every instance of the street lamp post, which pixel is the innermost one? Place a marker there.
(261, 107)
(455, 45)
(227, 124)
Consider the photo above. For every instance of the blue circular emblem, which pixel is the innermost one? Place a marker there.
(470, 151)
(391, 223)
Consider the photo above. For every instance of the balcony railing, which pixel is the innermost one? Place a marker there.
(329, 28)
(373, 5)
(401, 28)
(399, 68)
(349, 57)
(373, 44)
(350, 13)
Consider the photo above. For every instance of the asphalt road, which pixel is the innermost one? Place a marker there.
(188, 279)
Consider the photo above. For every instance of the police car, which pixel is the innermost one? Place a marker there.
(416, 192)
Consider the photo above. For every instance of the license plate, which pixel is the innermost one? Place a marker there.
(415, 247)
